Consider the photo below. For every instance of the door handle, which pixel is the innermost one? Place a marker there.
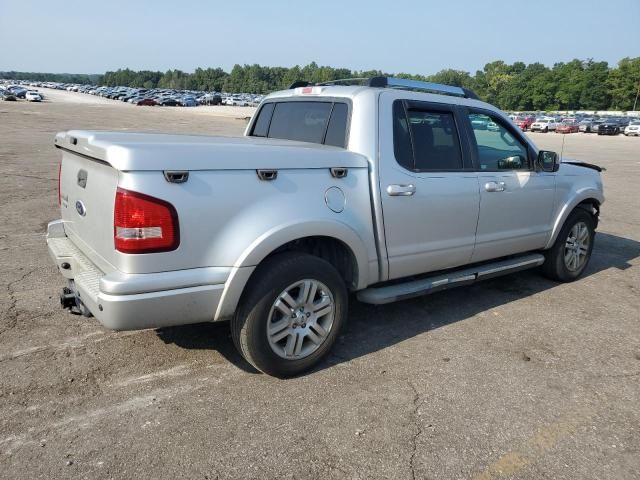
(494, 186)
(401, 190)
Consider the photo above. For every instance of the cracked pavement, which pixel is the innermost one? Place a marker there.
(517, 377)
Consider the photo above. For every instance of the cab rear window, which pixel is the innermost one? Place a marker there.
(314, 122)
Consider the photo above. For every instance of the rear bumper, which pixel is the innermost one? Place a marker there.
(137, 301)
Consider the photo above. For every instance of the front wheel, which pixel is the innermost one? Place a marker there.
(570, 254)
(291, 314)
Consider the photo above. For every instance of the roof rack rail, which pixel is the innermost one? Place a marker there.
(299, 83)
(348, 81)
(398, 83)
(401, 83)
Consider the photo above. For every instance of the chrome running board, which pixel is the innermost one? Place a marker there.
(455, 278)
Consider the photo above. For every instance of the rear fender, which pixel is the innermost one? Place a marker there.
(282, 234)
(271, 240)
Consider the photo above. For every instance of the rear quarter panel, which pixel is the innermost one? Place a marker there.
(231, 218)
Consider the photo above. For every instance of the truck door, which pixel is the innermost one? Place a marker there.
(516, 202)
(429, 190)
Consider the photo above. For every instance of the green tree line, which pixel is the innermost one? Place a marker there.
(53, 77)
(575, 85)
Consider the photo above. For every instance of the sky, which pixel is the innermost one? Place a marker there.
(419, 37)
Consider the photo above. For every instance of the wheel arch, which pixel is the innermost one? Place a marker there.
(588, 199)
(334, 242)
(331, 249)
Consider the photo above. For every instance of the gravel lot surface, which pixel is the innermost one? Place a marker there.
(517, 377)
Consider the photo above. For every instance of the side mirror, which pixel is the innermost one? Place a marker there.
(511, 163)
(548, 161)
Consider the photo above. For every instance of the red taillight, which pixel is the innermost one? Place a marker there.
(59, 192)
(144, 224)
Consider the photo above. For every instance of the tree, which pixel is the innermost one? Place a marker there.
(457, 78)
(492, 80)
(595, 94)
(624, 83)
(570, 80)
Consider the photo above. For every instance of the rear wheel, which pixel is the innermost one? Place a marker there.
(290, 315)
(570, 254)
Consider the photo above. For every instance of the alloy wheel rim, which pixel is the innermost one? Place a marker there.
(576, 247)
(300, 319)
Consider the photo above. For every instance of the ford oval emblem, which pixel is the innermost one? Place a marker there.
(82, 211)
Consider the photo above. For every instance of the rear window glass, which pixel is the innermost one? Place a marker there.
(337, 130)
(314, 122)
(261, 128)
(302, 121)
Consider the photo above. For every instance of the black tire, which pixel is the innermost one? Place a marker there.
(249, 324)
(555, 266)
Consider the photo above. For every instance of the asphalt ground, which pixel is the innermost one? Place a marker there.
(516, 377)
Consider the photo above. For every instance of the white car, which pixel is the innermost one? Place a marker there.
(632, 129)
(544, 125)
(235, 102)
(33, 96)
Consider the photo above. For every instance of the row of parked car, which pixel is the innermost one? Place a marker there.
(575, 124)
(159, 96)
(11, 93)
(191, 98)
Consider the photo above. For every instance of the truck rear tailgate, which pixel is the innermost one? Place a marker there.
(87, 193)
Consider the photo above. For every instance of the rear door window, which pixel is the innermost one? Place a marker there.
(435, 140)
(425, 139)
(314, 122)
(401, 137)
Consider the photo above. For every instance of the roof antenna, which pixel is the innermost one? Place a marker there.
(562, 151)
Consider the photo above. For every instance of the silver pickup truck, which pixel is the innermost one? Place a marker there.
(384, 187)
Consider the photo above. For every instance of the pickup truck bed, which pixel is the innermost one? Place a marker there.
(229, 219)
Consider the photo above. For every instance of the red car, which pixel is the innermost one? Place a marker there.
(567, 128)
(147, 102)
(524, 123)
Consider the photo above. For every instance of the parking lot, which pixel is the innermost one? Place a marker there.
(517, 377)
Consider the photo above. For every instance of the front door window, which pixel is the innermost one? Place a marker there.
(497, 148)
